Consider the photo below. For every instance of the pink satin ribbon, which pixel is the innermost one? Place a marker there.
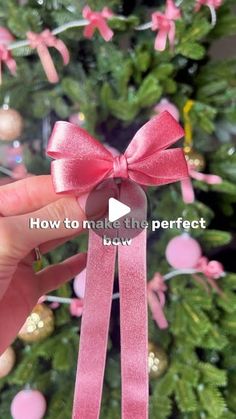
(164, 23)
(98, 20)
(187, 187)
(8, 60)
(83, 163)
(210, 3)
(41, 41)
(156, 289)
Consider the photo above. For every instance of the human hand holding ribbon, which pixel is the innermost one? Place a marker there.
(81, 164)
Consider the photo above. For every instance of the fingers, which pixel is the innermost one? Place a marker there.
(17, 239)
(26, 195)
(52, 277)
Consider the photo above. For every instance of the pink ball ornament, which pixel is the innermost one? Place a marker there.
(28, 404)
(5, 36)
(183, 252)
(79, 284)
(165, 105)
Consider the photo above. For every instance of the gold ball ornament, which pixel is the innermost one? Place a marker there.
(157, 360)
(196, 160)
(7, 361)
(38, 326)
(11, 124)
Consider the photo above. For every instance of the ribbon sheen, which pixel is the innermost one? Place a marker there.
(41, 41)
(81, 164)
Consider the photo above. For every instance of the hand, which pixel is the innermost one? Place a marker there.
(20, 286)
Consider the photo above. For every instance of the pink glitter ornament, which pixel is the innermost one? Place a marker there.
(79, 284)
(183, 252)
(28, 404)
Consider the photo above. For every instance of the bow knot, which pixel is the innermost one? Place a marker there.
(120, 167)
(46, 38)
(97, 20)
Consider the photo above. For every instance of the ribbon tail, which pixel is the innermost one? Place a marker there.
(187, 191)
(47, 64)
(160, 41)
(157, 311)
(63, 50)
(133, 319)
(94, 331)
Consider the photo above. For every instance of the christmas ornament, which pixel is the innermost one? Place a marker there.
(97, 20)
(166, 105)
(156, 289)
(195, 160)
(38, 326)
(5, 36)
(157, 360)
(70, 146)
(79, 284)
(164, 23)
(77, 119)
(183, 252)
(11, 124)
(7, 361)
(41, 42)
(28, 404)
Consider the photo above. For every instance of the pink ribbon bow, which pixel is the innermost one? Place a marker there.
(210, 3)
(83, 163)
(98, 20)
(164, 23)
(6, 58)
(212, 270)
(187, 187)
(156, 298)
(41, 41)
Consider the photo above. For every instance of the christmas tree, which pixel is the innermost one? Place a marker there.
(152, 56)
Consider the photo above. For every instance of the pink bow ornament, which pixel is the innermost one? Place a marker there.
(81, 164)
(164, 23)
(8, 60)
(98, 20)
(187, 187)
(156, 289)
(76, 307)
(41, 42)
(212, 270)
